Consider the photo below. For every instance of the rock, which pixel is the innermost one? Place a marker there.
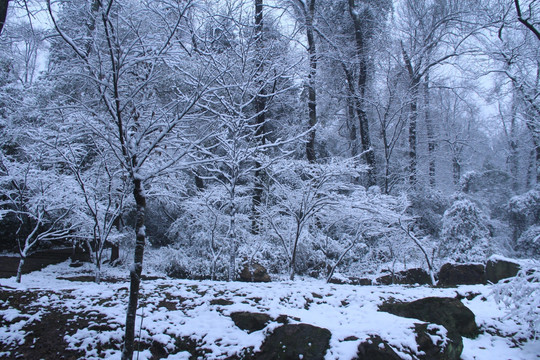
(350, 281)
(250, 321)
(448, 312)
(412, 276)
(406, 277)
(375, 348)
(294, 342)
(254, 273)
(432, 342)
(498, 269)
(385, 280)
(361, 281)
(461, 274)
(222, 302)
(337, 281)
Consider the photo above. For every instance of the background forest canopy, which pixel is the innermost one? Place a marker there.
(310, 136)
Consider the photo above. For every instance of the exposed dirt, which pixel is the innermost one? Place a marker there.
(45, 335)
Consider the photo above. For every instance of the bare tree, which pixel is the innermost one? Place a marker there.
(144, 128)
(41, 201)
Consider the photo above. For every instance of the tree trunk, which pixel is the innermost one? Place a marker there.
(19, 268)
(413, 119)
(360, 93)
(115, 253)
(456, 170)
(260, 108)
(136, 270)
(531, 169)
(430, 133)
(233, 240)
(292, 265)
(514, 152)
(352, 127)
(312, 93)
(4, 4)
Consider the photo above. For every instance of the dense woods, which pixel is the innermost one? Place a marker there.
(313, 137)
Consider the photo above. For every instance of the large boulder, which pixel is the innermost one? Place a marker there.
(462, 274)
(433, 344)
(498, 269)
(295, 341)
(406, 277)
(254, 273)
(413, 276)
(250, 321)
(448, 312)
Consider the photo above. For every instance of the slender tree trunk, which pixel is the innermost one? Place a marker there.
(233, 239)
(430, 133)
(514, 151)
(20, 268)
(293, 256)
(312, 93)
(136, 270)
(413, 120)
(531, 169)
(352, 127)
(260, 108)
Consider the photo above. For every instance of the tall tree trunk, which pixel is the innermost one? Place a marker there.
(352, 127)
(260, 108)
(514, 151)
(430, 133)
(312, 93)
(360, 93)
(531, 169)
(414, 83)
(413, 120)
(136, 270)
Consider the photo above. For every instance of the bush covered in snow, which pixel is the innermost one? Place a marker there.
(528, 244)
(524, 211)
(521, 296)
(465, 233)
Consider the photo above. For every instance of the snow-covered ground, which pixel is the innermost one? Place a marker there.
(172, 309)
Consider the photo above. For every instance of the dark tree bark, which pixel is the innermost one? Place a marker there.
(361, 32)
(4, 4)
(432, 144)
(456, 170)
(414, 83)
(135, 272)
(309, 12)
(260, 108)
(526, 22)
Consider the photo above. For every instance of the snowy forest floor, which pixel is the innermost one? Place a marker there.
(58, 313)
